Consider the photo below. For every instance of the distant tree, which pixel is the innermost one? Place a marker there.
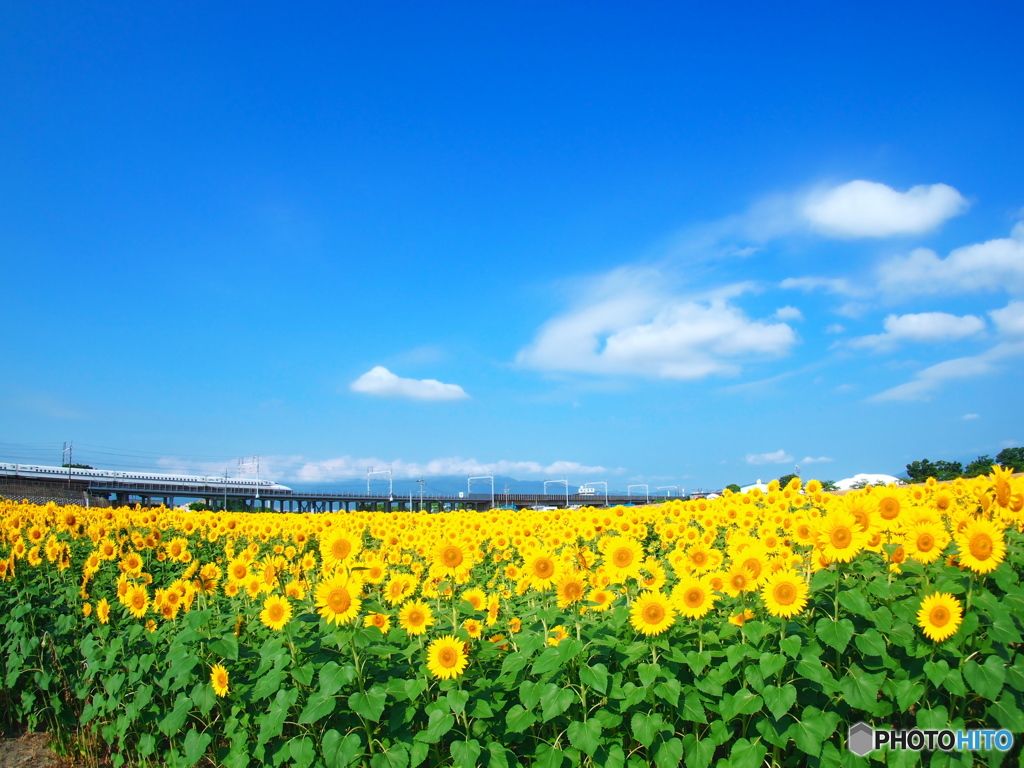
(733, 487)
(829, 486)
(948, 470)
(199, 506)
(919, 471)
(76, 466)
(1012, 458)
(784, 480)
(980, 466)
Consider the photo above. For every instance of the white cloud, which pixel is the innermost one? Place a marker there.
(989, 266)
(922, 327)
(775, 457)
(624, 325)
(382, 382)
(835, 328)
(1009, 320)
(870, 209)
(298, 468)
(835, 285)
(927, 381)
(970, 416)
(349, 468)
(818, 460)
(788, 313)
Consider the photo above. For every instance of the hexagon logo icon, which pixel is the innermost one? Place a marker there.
(861, 739)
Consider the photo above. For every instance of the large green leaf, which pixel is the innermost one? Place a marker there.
(465, 753)
(812, 729)
(195, 746)
(743, 702)
(595, 677)
(174, 719)
(697, 752)
(341, 751)
(369, 704)
(519, 719)
(585, 735)
(836, 634)
(318, 706)
(779, 700)
(555, 700)
(438, 725)
(333, 677)
(986, 678)
(747, 754)
(693, 708)
(669, 753)
(936, 671)
(1007, 714)
(646, 726)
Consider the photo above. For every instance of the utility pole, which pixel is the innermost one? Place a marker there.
(69, 450)
(421, 482)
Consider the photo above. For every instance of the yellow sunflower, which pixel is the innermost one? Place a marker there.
(602, 599)
(136, 599)
(623, 557)
(339, 547)
(276, 612)
(103, 611)
(738, 580)
(841, 536)
(446, 657)
(784, 594)
(652, 613)
(415, 617)
(381, 621)
(219, 680)
(451, 558)
(925, 542)
(338, 599)
(981, 544)
(741, 617)
(940, 616)
(571, 589)
(542, 568)
(693, 597)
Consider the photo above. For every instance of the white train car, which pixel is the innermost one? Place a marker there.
(57, 474)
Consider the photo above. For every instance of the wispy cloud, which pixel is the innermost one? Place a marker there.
(381, 382)
(869, 209)
(816, 460)
(626, 324)
(923, 327)
(775, 457)
(929, 380)
(994, 265)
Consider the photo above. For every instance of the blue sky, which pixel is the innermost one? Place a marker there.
(676, 245)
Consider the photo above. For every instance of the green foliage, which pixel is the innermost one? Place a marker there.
(1012, 458)
(784, 480)
(920, 471)
(980, 466)
(733, 487)
(710, 693)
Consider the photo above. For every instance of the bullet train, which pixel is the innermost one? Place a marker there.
(37, 472)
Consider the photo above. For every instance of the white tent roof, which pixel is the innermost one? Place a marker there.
(848, 483)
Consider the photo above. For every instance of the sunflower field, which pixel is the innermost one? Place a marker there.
(745, 631)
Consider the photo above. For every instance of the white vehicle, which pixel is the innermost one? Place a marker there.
(57, 474)
(586, 490)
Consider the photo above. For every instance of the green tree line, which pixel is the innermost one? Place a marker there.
(920, 471)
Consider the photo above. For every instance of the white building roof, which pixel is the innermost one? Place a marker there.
(866, 479)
